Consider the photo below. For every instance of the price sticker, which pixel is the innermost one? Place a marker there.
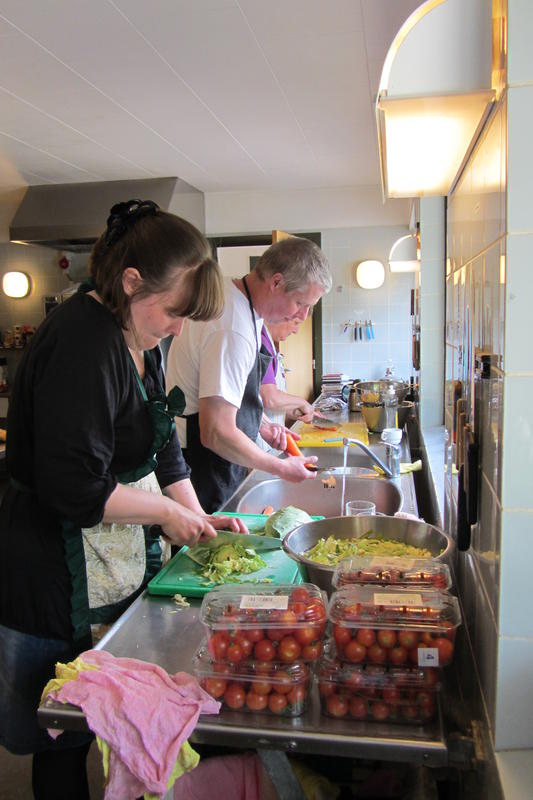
(428, 657)
(378, 562)
(279, 602)
(397, 599)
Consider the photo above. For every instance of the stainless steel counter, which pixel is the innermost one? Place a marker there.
(154, 629)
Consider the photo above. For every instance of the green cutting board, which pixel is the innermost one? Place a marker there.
(181, 575)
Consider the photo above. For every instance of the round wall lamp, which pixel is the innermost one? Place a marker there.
(16, 284)
(370, 274)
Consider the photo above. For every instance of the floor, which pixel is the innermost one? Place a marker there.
(15, 776)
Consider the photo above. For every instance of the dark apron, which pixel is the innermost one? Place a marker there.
(162, 411)
(214, 478)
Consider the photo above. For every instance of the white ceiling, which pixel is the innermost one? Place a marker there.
(225, 94)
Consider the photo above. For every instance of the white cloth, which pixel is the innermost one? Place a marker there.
(214, 358)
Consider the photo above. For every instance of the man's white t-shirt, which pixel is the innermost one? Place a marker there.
(214, 359)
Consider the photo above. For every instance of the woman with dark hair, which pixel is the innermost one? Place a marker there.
(93, 460)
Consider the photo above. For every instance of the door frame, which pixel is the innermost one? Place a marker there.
(243, 240)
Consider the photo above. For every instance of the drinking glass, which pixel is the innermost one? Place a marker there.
(359, 508)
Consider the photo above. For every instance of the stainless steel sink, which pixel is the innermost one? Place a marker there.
(334, 456)
(316, 499)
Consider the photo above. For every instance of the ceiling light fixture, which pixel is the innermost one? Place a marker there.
(16, 284)
(404, 254)
(370, 274)
(434, 94)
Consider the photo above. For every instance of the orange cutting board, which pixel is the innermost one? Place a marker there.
(315, 437)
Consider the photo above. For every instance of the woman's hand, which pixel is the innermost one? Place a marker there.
(187, 527)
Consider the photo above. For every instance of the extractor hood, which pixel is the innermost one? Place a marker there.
(71, 216)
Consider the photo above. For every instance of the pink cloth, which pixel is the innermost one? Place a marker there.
(143, 713)
(235, 777)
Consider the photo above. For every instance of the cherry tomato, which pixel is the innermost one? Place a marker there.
(246, 646)
(315, 612)
(337, 705)
(255, 634)
(430, 677)
(283, 682)
(341, 635)
(366, 637)
(235, 696)
(296, 696)
(289, 649)
(398, 655)
(263, 667)
(377, 654)
(445, 648)
(326, 688)
(261, 687)
(215, 686)
(391, 695)
(355, 652)
(256, 702)
(358, 707)
(355, 680)
(235, 653)
(380, 711)
(425, 700)
(298, 609)
(264, 650)
(218, 645)
(409, 712)
(277, 702)
(312, 652)
(306, 635)
(387, 638)
(300, 595)
(408, 639)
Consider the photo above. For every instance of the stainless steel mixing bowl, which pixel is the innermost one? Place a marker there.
(375, 391)
(418, 533)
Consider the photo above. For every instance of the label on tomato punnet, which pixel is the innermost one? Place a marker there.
(377, 561)
(265, 601)
(397, 599)
(428, 657)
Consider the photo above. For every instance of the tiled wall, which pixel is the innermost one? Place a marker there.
(490, 242)
(389, 307)
(474, 322)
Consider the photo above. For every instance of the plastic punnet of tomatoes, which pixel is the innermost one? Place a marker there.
(268, 623)
(392, 571)
(261, 687)
(374, 693)
(399, 627)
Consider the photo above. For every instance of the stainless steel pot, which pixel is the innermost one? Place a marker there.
(418, 533)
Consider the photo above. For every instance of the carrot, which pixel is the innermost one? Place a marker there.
(292, 448)
(268, 510)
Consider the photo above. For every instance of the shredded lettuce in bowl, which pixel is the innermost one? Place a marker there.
(331, 550)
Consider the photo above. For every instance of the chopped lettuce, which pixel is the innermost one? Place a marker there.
(285, 520)
(226, 562)
(330, 551)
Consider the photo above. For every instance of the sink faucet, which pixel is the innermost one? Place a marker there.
(392, 470)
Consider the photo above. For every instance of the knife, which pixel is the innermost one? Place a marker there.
(253, 540)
